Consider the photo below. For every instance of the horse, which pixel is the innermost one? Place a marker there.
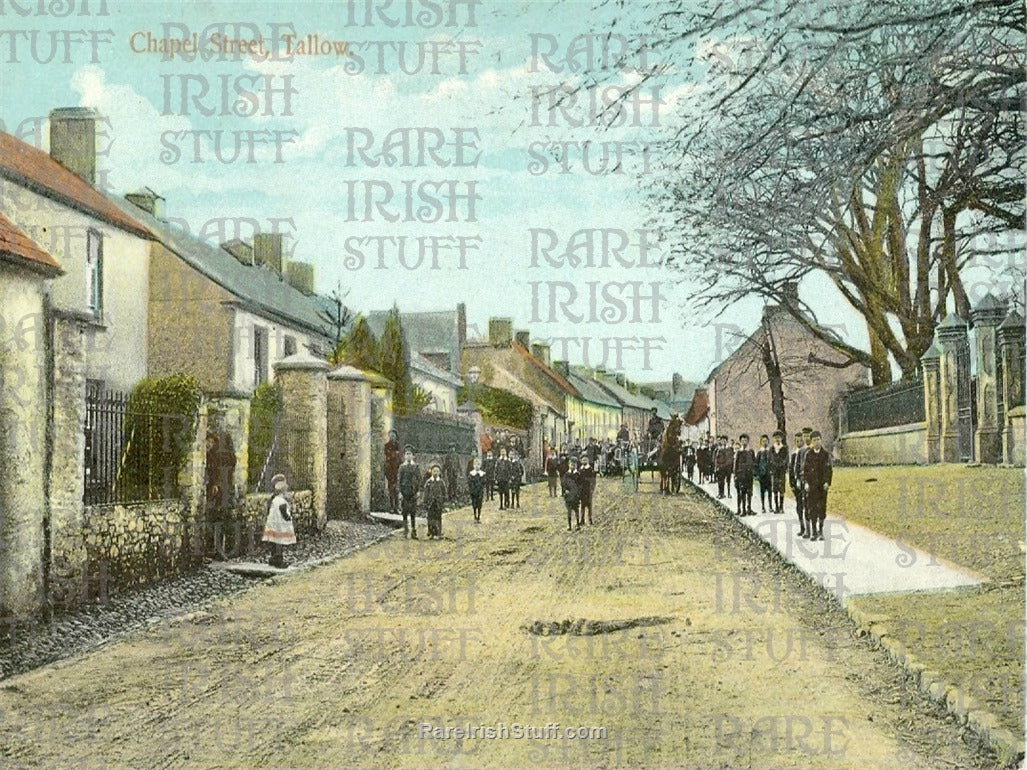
(670, 457)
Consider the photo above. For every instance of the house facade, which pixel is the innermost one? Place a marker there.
(739, 390)
(437, 383)
(225, 318)
(104, 253)
(25, 268)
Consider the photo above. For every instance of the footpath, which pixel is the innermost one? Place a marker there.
(854, 561)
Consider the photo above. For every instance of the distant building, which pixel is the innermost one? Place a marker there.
(676, 392)
(437, 383)
(438, 335)
(636, 408)
(738, 389)
(600, 413)
(697, 419)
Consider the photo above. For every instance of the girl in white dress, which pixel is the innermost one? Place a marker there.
(278, 527)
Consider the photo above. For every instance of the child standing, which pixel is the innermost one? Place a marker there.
(278, 527)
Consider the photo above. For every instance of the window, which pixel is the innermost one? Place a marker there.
(94, 273)
(259, 355)
(289, 346)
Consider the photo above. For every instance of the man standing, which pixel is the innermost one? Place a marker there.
(816, 478)
(220, 491)
(763, 473)
(778, 469)
(704, 460)
(744, 467)
(793, 482)
(552, 472)
(393, 459)
(622, 434)
(409, 485)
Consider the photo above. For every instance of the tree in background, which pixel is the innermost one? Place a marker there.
(359, 348)
(336, 318)
(394, 363)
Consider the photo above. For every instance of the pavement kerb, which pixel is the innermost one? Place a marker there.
(985, 724)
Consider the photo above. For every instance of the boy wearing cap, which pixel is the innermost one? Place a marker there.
(572, 492)
(435, 495)
(476, 487)
(816, 477)
(763, 473)
(278, 527)
(778, 468)
(409, 484)
(516, 476)
(744, 465)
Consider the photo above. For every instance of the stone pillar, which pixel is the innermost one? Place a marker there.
(956, 416)
(66, 482)
(23, 418)
(302, 383)
(1011, 355)
(349, 444)
(381, 424)
(930, 363)
(988, 436)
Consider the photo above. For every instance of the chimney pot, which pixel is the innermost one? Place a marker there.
(73, 140)
(500, 332)
(267, 250)
(523, 338)
(300, 275)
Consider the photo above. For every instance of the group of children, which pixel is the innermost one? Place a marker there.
(808, 470)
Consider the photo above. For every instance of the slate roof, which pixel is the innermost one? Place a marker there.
(430, 332)
(18, 248)
(423, 365)
(35, 170)
(259, 288)
(590, 390)
(624, 396)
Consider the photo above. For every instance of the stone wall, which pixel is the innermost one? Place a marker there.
(139, 544)
(897, 445)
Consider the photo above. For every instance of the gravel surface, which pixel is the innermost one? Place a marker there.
(33, 644)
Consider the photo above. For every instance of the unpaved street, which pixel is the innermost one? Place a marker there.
(723, 658)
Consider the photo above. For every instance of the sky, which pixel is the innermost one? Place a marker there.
(487, 190)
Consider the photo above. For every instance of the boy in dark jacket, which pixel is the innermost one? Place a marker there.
(572, 492)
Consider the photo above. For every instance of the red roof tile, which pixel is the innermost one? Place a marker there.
(562, 382)
(15, 244)
(24, 164)
(699, 408)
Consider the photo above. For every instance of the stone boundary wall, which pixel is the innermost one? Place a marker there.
(895, 445)
(139, 544)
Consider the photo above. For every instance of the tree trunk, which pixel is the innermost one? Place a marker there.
(772, 365)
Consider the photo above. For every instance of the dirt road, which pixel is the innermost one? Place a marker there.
(688, 646)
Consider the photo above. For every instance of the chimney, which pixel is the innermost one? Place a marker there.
(461, 324)
(267, 250)
(790, 293)
(677, 384)
(563, 367)
(148, 201)
(541, 352)
(500, 332)
(600, 372)
(73, 140)
(240, 250)
(523, 338)
(621, 380)
(300, 275)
